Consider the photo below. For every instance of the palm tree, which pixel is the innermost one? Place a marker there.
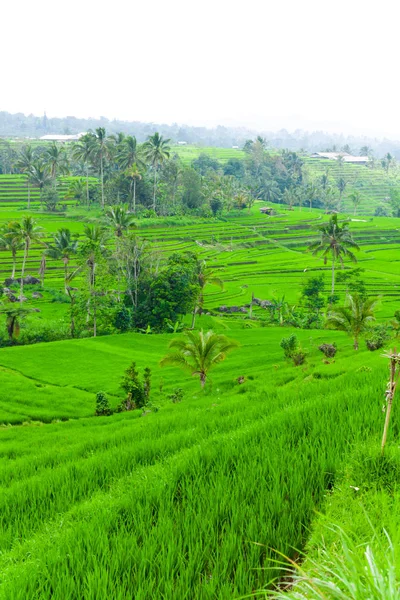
(10, 241)
(39, 176)
(341, 184)
(289, 197)
(55, 159)
(119, 219)
(100, 152)
(324, 180)
(354, 317)
(24, 163)
(134, 174)
(14, 314)
(205, 276)
(93, 248)
(270, 190)
(335, 241)
(156, 151)
(311, 193)
(128, 153)
(63, 248)
(84, 151)
(388, 161)
(355, 198)
(27, 232)
(199, 352)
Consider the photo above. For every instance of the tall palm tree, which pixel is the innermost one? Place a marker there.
(94, 246)
(134, 174)
(270, 190)
(128, 153)
(199, 352)
(63, 247)
(119, 219)
(204, 276)
(100, 153)
(83, 151)
(11, 242)
(355, 198)
(354, 317)
(156, 151)
(56, 160)
(28, 232)
(335, 241)
(289, 197)
(24, 163)
(311, 193)
(341, 184)
(40, 176)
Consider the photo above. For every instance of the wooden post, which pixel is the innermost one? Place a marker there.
(390, 391)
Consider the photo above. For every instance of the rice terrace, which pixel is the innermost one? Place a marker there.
(195, 346)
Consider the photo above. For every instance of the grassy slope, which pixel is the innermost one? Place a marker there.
(130, 497)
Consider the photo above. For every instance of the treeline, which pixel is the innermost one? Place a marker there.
(20, 125)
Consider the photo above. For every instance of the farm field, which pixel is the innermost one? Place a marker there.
(140, 503)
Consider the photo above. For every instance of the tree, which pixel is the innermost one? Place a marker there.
(311, 193)
(289, 197)
(134, 174)
(56, 161)
(63, 248)
(324, 180)
(119, 219)
(394, 200)
(25, 162)
(355, 198)
(365, 151)
(156, 151)
(199, 352)
(39, 176)
(93, 251)
(341, 184)
(11, 242)
(335, 241)
(205, 276)
(128, 153)
(100, 152)
(84, 151)
(270, 190)
(354, 317)
(27, 232)
(14, 314)
(388, 160)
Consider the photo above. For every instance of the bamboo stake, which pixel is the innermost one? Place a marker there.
(390, 392)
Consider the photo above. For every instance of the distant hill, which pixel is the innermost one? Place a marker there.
(32, 126)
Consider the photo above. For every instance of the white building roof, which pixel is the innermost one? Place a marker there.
(58, 137)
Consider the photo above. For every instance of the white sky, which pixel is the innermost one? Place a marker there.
(264, 63)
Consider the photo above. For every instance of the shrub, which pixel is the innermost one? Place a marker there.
(328, 349)
(289, 345)
(176, 396)
(137, 392)
(123, 319)
(376, 337)
(102, 405)
(293, 350)
(382, 211)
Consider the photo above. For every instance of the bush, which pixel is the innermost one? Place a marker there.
(293, 350)
(102, 405)
(328, 349)
(137, 392)
(176, 396)
(377, 337)
(382, 211)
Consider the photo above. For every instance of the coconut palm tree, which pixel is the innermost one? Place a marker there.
(27, 232)
(83, 151)
(341, 184)
(204, 276)
(39, 176)
(11, 242)
(94, 246)
(289, 197)
(199, 352)
(128, 153)
(56, 160)
(156, 151)
(311, 193)
(24, 163)
(355, 198)
(335, 241)
(270, 190)
(119, 219)
(354, 317)
(101, 151)
(63, 247)
(134, 174)
(14, 313)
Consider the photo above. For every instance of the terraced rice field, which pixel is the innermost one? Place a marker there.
(189, 501)
(14, 191)
(373, 184)
(188, 153)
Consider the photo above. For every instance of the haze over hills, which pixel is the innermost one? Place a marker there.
(278, 136)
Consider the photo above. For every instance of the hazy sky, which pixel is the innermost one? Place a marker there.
(263, 63)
